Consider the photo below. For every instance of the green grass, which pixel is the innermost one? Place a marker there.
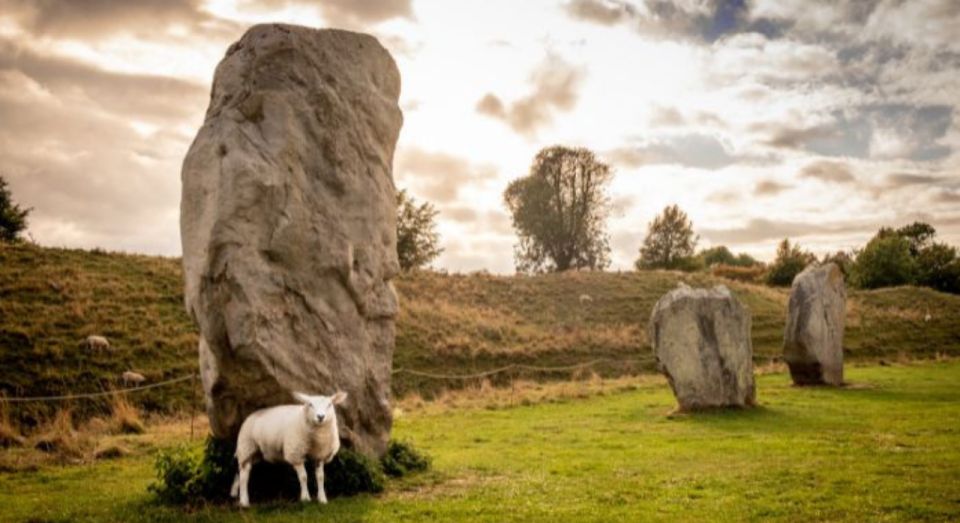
(51, 299)
(886, 448)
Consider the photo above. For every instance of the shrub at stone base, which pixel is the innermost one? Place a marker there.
(189, 477)
(402, 459)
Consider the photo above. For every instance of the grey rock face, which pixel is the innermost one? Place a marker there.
(289, 229)
(813, 339)
(701, 339)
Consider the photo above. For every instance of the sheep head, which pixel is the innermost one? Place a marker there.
(319, 410)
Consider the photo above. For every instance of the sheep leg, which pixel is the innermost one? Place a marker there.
(235, 488)
(321, 493)
(244, 479)
(302, 476)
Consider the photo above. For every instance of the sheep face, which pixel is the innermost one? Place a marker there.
(319, 410)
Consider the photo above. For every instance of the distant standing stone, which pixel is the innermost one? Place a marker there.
(701, 339)
(813, 340)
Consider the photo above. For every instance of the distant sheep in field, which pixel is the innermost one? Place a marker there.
(927, 318)
(585, 299)
(96, 342)
(290, 433)
(135, 378)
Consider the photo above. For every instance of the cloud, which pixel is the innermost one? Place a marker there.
(555, 85)
(355, 14)
(690, 150)
(762, 229)
(899, 180)
(667, 117)
(947, 196)
(828, 171)
(170, 100)
(769, 188)
(604, 13)
(439, 176)
(701, 20)
(97, 19)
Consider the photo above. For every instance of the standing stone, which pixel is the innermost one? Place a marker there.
(701, 339)
(813, 339)
(288, 228)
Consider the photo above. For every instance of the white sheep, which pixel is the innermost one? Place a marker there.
(290, 433)
(585, 299)
(129, 377)
(97, 342)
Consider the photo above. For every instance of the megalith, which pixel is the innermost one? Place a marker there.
(813, 338)
(701, 341)
(288, 227)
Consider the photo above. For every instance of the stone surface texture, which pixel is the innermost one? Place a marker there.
(813, 338)
(701, 340)
(288, 227)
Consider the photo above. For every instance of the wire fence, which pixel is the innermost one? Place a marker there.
(517, 367)
(102, 394)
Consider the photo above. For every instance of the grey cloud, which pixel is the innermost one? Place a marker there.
(345, 13)
(828, 171)
(769, 188)
(947, 196)
(899, 180)
(724, 197)
(704, 20)
(604, 13)
(867, 130)
(439, 176)
(761, 229)
(95, 19)
(79, 172)
(555, 85)
(692, 150)
(148, 97)
(667, 117)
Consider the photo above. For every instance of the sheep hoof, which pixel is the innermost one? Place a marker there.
(322, 500)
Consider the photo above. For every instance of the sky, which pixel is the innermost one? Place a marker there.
(820, 121)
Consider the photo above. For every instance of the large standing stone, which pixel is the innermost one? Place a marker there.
(701, 339)
(813, 339)
(288, 227)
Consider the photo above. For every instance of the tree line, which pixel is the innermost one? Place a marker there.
(559, 212)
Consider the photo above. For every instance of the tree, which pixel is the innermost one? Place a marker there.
(939, 268)
(13, 218)
(721, 255)
(884, 262)
(670, 242)
(790, 261)
(417, 238)
(559, 212)
(919, 234)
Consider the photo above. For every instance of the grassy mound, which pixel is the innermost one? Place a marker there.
(51, 299)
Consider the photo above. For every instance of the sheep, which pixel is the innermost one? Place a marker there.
(97, 342)
(129, 377)
(585, 298)
(290, 433)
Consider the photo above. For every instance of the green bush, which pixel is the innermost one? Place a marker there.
(402, 459)
(191, 476)
(188, 476)
(939, 268)
(790, 261)
(352, 473)
(885, 262)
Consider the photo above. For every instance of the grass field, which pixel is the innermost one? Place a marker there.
(51, 299)
(886, 448)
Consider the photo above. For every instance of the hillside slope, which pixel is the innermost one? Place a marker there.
(51, 299)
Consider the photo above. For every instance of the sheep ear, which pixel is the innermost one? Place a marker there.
(339, 397)
(302, 398)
